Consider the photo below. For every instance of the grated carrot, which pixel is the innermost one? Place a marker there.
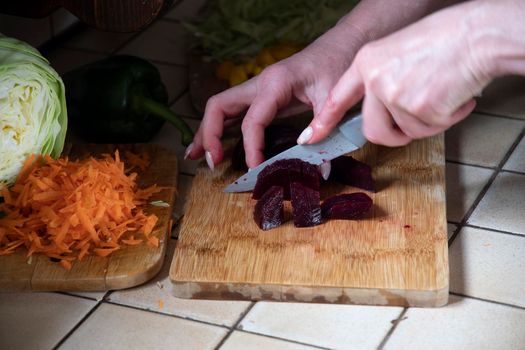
(68, 209)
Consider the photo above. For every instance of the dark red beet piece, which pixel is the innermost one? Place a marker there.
(277, 138)
(305, 205)
(269, 212)
(346, 206)
(351, 172)
(283, 172)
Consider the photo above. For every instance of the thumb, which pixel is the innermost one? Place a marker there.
(346, 93)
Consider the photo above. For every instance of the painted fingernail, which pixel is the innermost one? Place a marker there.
(209, 160)
(305, 136)
(188, 151)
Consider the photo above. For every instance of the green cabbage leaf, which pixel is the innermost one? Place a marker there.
(33, 115)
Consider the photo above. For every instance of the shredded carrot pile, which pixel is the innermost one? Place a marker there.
(68, 209)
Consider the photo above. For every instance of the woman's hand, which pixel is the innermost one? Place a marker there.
(418, 81)
(302, 79)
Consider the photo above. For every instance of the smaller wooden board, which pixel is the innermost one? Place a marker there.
(127, 267)
(396, 256)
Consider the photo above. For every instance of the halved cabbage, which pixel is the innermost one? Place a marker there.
(33, 116)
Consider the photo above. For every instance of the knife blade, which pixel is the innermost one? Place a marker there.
(346, 137)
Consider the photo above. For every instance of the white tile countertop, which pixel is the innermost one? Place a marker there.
(485, 174)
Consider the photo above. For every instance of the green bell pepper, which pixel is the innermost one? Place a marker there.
(120, 99)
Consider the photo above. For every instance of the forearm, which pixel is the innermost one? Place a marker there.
(374, 19)
(497, 41)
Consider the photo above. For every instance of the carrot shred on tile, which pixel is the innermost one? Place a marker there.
(69, 209)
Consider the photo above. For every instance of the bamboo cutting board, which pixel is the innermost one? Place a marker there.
(127, 267)
(397, 256)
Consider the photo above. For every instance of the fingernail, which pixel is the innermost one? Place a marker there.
(209, 160)
(305, 136)
(188, 151)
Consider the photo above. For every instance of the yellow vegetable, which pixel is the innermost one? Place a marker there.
(265, 58)
(224, 69)
(257, 70)
(237, 75)
(249, 67)
(282, 51)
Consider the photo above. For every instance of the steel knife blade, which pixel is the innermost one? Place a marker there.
(346, 137)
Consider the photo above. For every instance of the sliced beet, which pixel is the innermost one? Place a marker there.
(277, 138)
(269, 212)
(346, 206)
(351, 172)
(306, 207)
(283, 172)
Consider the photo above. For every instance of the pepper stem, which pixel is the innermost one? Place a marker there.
(149, 105)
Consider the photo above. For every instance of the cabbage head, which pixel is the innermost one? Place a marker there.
(33, 116)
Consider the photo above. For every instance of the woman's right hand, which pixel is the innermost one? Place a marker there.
(299, 82)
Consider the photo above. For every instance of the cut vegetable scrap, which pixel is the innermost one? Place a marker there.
(305, 205)
(269, 210)
(351, 172)
(67, 209)
(283, 172)
(347, 206)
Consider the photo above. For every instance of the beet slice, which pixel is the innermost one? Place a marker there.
(346, 206)
(351, 172)
(269, 212)
(306, 207)
(277, 138)
(283, 172)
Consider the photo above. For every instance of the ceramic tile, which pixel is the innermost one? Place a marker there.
(33, 31)
(332, 326)
(169, 137)
(64, 60)
(504, 96)
(174, 78)
(116, 327)
(481, 140)
(503, 205)
(488, 265)
(164, 41)
(156, 295)
(463, 185)
(516, 162)
(38, 320)
(90, 295)
(186, 10)
(248, 341)
(62, 20)
(184, 107)
(465, 324)
(98, 40)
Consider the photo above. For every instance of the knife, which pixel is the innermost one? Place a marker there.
(346, 137)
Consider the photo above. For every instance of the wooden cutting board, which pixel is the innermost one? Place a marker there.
(397, 256)
(127, 267)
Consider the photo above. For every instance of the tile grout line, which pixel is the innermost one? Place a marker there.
(497, 171)
(471, 164)
(283, 339)
(109, 302)
(517, 172)
(489, 114)
(234, 326)
(495, 230)
(392, 329)
(79, 323)
(488, 301)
